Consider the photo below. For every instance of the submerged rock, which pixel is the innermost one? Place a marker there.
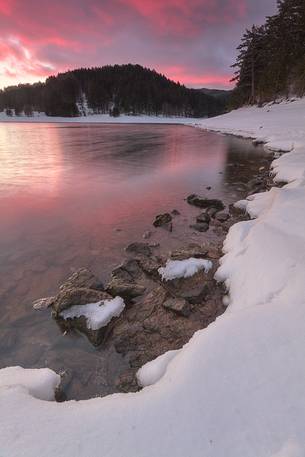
(139, 248)
(200, 227)
(202, 202)
(203, 218)
(162, 220)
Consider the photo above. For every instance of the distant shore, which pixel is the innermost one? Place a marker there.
(100, 119)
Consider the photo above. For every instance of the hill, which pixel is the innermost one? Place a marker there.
(128, 89)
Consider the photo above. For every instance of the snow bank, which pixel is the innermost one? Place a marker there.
(237, 388)
(153, 371)
(183, 268)
(97, 314)
(39, 383)
(98, 119)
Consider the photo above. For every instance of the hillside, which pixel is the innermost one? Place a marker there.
(118, 89)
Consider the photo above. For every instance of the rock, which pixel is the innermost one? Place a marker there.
(123, 280)
(235, 211)
(203, 227)
(82, 278)
(208, 188)
(147, 235)
(212, 211)
(194, 289)
(139, 248)
(43, 303)
(203, 218)
(192, 250)
(222, 216)
(150, 265)
(175, 212)
(162, 220)
(201, 202)
(77, 296)
(178, 305)
(126, 290)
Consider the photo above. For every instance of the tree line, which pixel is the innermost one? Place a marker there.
(129, 89)
(271, 57)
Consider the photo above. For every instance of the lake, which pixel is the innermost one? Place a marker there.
(76, 195)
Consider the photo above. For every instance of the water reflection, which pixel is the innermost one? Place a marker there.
(64, 190)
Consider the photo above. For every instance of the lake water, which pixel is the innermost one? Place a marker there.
(74, 196)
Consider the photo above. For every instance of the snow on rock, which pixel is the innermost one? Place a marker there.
(97, 314)
(237, 389)
(184, 268)
(153, 371)
(39, 383)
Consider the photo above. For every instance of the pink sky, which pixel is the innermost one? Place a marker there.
(191, 41)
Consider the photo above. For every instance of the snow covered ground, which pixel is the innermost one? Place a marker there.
(237, 389)
(98, 119)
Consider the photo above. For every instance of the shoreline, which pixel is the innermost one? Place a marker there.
(263, 267)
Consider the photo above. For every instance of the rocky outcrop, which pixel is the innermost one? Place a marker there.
(77, 296)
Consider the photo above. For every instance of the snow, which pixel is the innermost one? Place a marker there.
(237, 389)
(183, 268)
(97, 314)
(39, 383)
(98, 119)
(153, 371)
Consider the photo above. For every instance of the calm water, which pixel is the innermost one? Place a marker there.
(73, 196)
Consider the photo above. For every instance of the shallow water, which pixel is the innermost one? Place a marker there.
(73, 196)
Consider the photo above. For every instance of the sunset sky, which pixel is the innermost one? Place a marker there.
(191, 41)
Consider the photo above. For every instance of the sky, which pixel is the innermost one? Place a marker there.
(190, 41)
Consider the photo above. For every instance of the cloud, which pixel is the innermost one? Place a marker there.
(190, 40)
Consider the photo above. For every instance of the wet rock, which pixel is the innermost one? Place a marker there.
(222, 216)
(139, 248)
(202, 202)
(178, 305)
(127, 382)
(203, 227)
(175, 212)
(203, 218)
(82, 278)
(77, 296)
(43, 303)
(150, 265)
(162, 220)
(208, 188)
(192, 250)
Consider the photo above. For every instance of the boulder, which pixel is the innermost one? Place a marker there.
(77, 296)
(162, 220)
(175, 212)
(83, 278)
(202, 202)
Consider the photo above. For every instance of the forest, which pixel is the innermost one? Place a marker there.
(118, 89)
(271, 57)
